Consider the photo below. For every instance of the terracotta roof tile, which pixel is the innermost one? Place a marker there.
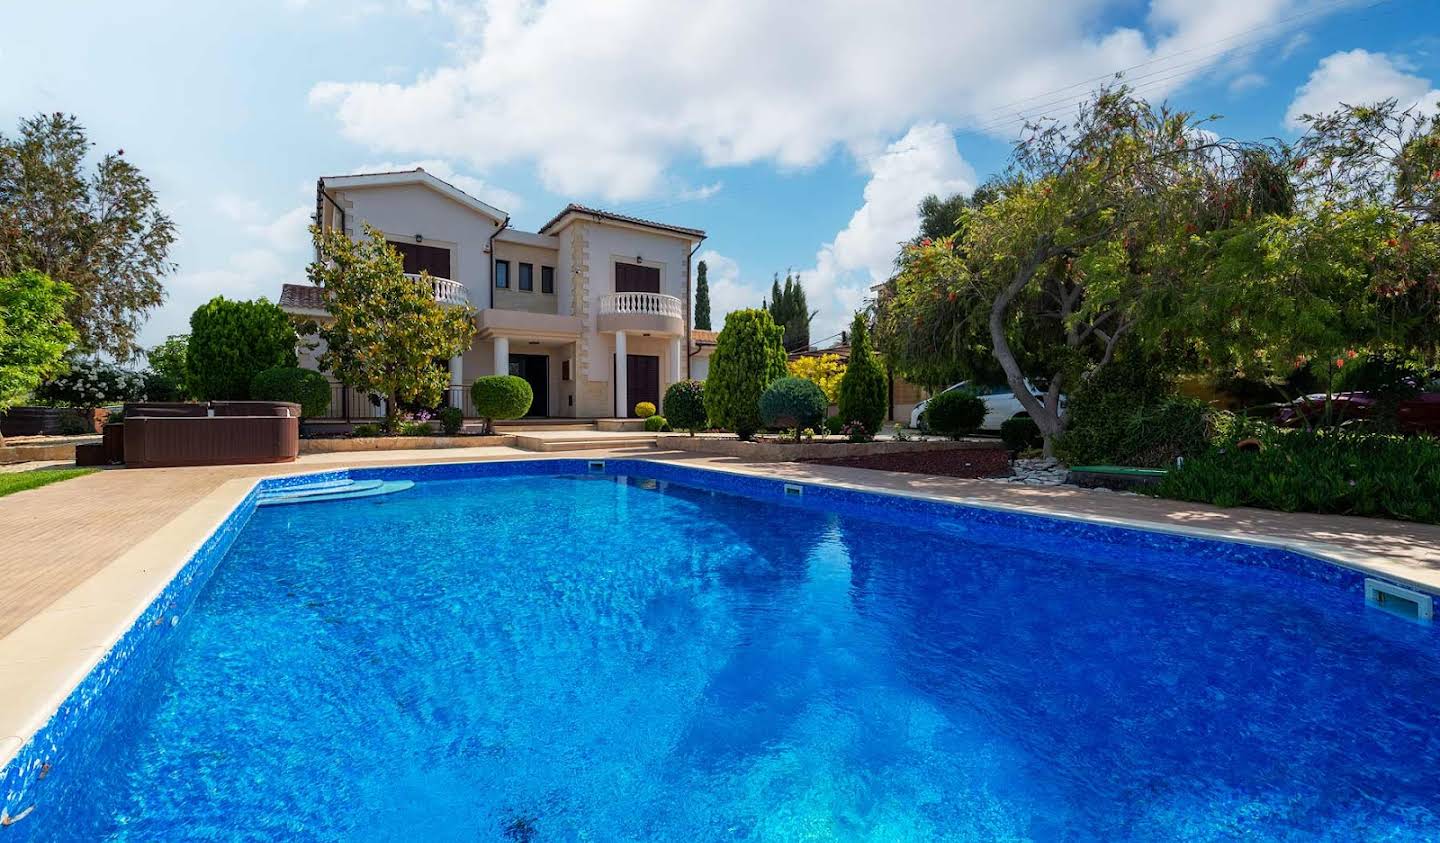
(302, 296)
(702, 336)
(611, 215)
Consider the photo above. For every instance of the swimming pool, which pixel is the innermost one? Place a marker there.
(553, 650)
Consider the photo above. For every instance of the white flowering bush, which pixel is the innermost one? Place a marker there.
(92, 383)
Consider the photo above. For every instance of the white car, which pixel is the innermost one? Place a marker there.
(1000, 404)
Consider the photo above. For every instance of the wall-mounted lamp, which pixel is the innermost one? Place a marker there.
(419, 239)
(639, 260)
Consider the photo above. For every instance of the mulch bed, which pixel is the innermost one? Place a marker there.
(985, 462)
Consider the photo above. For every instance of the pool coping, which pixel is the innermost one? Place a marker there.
(46, 659)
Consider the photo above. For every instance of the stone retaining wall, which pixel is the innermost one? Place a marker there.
(401, 443)
(825, 450)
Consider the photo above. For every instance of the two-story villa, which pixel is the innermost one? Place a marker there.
(593, 309)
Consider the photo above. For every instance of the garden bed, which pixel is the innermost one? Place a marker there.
(402, 443)
(953, 462)
(827, 448)
(51, 421)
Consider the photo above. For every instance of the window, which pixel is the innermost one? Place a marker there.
(547, 279)
(417, 259)
(630, 278)
(527, 277)
(502, 274)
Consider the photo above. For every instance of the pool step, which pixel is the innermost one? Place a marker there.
(334, 491)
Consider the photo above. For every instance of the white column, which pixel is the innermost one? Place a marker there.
(458, 381)
(677, 360)
(622, 373)
(502, 355)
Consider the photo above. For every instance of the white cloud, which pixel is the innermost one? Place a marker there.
(1246, 82)
(862, 254)
(602, 98)
(1359, 77)
(701, 193)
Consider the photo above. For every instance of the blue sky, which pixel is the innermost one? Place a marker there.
(798, 135)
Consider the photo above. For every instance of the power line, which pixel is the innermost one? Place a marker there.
(1157, 78)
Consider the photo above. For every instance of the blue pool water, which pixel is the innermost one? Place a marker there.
(615, 658)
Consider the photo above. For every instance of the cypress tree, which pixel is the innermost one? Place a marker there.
(748, 356)
(702, 298)
(863, 389)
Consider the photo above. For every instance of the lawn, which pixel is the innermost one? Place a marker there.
(19, 481)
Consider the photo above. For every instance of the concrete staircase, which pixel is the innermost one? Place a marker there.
(550, 435)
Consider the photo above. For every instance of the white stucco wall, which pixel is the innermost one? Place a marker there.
(608, 244)
(402, 211)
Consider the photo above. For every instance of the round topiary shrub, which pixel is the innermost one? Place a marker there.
(955, 413)
(685, 405)
(656, 424)
(305, 387)
(500, 397)
(793, 403)
(1020, 433)
(644, 409)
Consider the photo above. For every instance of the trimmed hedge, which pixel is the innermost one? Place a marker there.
(305, 387)
(644, 409)
(1020, 433)
(1326, 471)
(233, 341)
(793, 402)
(500, 397)
(656, 424)
(955, 413)
(748, 356)
(685, 405)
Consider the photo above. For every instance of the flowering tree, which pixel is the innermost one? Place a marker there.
(386, 332)
(825, 370)
(1068, 254)
(92, 383)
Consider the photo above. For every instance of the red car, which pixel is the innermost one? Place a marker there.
(1419, 413)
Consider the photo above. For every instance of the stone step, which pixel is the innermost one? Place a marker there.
(545, 445)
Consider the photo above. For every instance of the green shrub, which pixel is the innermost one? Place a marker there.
(644, 409)
(1328, 471)
(1128, 414)
(863, 390)
(955, 413)
(305, 387)
(833, 425)
(500, 397)
(748, 356)
(165, 379)
(857, 431)
(793, 402)
(363, 431)
(451, 420)
(685, 405)
(233, 341)
(1021, 433)
(71, 424)
(413, 427)
(656, 424)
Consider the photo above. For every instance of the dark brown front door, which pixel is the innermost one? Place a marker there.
(642, 381)
(418, 258)
(535, 369)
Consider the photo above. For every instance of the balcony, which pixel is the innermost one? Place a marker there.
(647, 313)
(445, 290)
